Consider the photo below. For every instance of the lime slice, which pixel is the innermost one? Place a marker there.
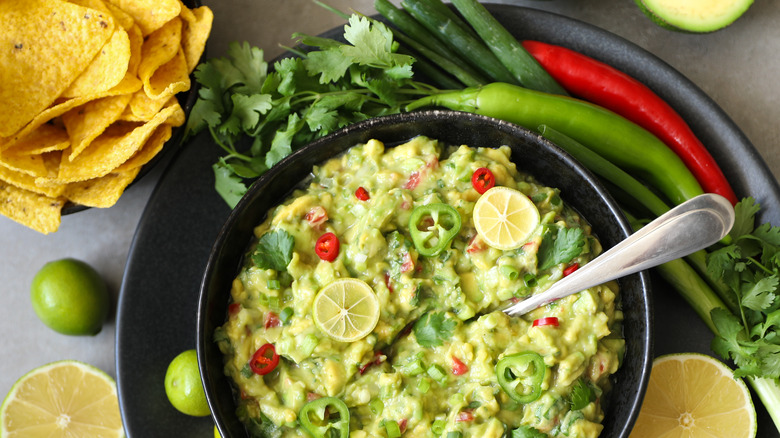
(346, 310)
(62, 399)
(692, 394)
(505, 218)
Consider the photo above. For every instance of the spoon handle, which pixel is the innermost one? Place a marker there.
(685, 229)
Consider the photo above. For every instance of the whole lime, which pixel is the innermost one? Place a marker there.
(183, 386)
(70, 297)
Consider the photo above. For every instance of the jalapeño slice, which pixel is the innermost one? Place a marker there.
(520, 376)
(432, 227)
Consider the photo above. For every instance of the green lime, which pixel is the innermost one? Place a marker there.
(346, 310)
(70, 297)
(183, 386)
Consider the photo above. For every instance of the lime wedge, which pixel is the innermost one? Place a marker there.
(62, 399)
(346, 310)
(505, 218)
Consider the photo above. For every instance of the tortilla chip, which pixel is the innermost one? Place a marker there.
(88, 121)
(112, 148)
(169, 79)
(32, 165)
(195, 31)
(41, 213)
(123, 18)
(151, 148)
(101, 192)
(149, 14)
(32, 33)
(159, 48)
(107, 68)
(48, 137)
(136, 48)
(27, 182)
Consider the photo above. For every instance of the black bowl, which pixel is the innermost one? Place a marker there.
(531, 153)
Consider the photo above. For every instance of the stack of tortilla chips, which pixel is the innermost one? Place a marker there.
(87, 97)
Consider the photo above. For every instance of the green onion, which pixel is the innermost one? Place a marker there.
(273, 284)
(286, 314)
(438, 427)
(273, 302)
(376, 406)
(509, 272)
(524, 68)
(393, 431)
(308, 345)
(437, 372)
(424, 385)
(529, 279)
(454, 434)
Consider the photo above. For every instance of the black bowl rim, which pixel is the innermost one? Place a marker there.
(643, 278)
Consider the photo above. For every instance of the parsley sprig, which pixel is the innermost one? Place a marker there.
(259, 116)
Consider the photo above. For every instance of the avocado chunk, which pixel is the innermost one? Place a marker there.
(695, 16)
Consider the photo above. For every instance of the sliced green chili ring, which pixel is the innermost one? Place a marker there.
(322, 416)
(432, 227)
(521, 371)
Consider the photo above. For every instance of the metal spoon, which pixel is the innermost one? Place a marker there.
(685, 229)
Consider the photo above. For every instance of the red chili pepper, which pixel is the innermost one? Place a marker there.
(234, 308)
(458, 367)
(327, 247)
(570, 269)
(375, 361)
(263, 364)
(606, 86)
(272, 320)
(362, 194)
(483, 180)
(316, 216)
(547, 320)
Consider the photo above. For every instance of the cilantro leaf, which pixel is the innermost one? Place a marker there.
(433, 329)
(274, 250)
(560, 246)
(760, 295)
(227, 184)
(527, 432)
(581, 395)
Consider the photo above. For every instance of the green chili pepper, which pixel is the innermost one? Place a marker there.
(615, 138)
(432, 227)
(521, 371)
(322, 416)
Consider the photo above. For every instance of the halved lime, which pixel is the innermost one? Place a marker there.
(346, 309)
(505, 218)
(62, 399)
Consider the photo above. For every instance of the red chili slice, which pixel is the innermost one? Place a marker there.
(547, 320)
(458, 367)
(362, 194)
(483, 180)
(570, 269)
(261, 363)
(327, 247)
(464, 416)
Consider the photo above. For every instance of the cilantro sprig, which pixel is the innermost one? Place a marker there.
(259, 115)
(433, 329)
(274, 250)
(749, 268)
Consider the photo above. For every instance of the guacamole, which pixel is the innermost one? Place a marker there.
(442, 359)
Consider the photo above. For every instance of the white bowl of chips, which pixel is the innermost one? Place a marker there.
(92, 91)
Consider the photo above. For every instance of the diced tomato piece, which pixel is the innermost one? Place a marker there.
(312, 396)
(414, 181)
(402, 425)
(475, 245)
(272, 320)
(234, 308)
(388, 283)
(408, 264)
(458, 367)
(467, 415)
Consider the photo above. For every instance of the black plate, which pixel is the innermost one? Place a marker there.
(157, 311)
